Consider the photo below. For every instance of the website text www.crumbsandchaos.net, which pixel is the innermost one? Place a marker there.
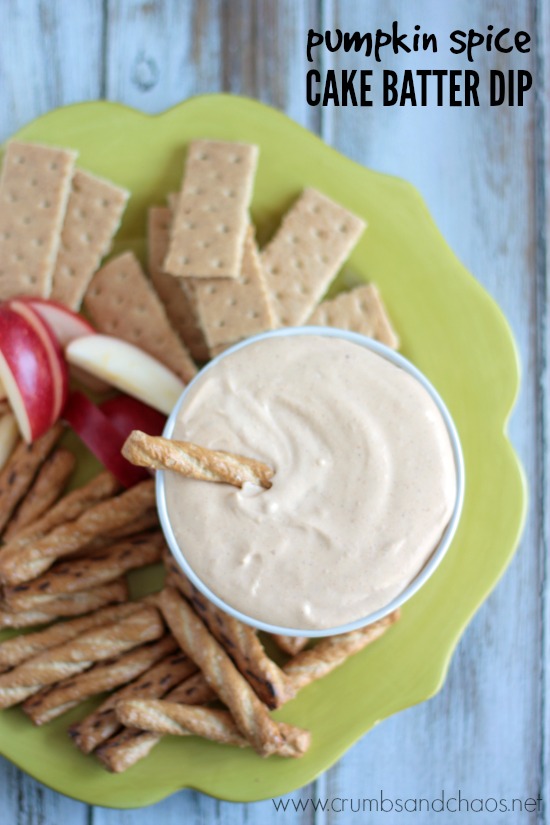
(445, 803)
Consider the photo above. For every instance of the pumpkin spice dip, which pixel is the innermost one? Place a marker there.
(365, 480)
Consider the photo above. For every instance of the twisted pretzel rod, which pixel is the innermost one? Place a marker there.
(22, 647)
(98, 567)
(250, 714)
(50, 703)
(239, 640)
(290, 645)
(79, 654)
(132, 744)
(128, 747)
(194, 461)
(46, 489)
(46, 608)
(21, 564)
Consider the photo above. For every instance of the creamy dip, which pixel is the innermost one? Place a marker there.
(364, 485)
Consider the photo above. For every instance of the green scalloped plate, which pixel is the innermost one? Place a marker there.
(449, 327)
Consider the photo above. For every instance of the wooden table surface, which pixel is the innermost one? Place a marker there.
(482, 173)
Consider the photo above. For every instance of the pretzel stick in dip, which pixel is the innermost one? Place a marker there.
(251, 716)
(79, 654)
(103, 723)
(20, 470)
(65, 604)
(332, 651)
(290, 644)
(239, 640)
(23, 564)
(98, 567)
(19, 648)
(132, 744)
(194, 461)
(46, 489)
(50, 703)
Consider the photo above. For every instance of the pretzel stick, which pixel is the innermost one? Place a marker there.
(132, 744)
(194, 461)
(160, 716)
(290, 644)
(99, 567)
(98, 726)
(46, 489)
(76, 602)
(68, 508)
(249, 712)
(50, 703)
(330, 652)
(34, 558)
(18, 649)
(79, 654)
(20, 470)
(239, 640)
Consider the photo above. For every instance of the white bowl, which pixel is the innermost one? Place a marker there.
(439, 550)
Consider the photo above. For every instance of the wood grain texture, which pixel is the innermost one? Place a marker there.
(482, 174)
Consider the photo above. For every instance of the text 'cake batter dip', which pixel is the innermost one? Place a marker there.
(364, 485)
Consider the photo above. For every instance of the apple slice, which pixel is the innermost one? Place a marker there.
(102, 438)
(9, 434)
(127, 368)
(58, 364)
(25, 371)
(3, 394)
(127, 414)
(66, 324)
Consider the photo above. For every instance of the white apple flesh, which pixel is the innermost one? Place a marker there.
(26, 375)
(127, 368)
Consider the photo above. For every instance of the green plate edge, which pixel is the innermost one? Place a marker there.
(474, 366)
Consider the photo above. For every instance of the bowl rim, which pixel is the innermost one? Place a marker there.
(437, 555)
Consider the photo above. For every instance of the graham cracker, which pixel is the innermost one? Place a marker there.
(359, 310)
(211, 216)
(121, 301)
(94, 212)
(34, 189)
(172, 200)
(231, 309)
(313, 241)
(172, 290)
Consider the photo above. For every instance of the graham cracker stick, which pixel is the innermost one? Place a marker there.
(72, 604)
(46, 489)
(132, 744)
(211, 216)
(50, 703)
(98, 726)
(28, 562)
(93, 215)
(18, 475)
(330, 652)
(240, 641)
(67, 509)
(229, 310)
(249, 712)
(99, 567)
(290, 644)
(194, 461)
(160, 716)
(313, 241)
(122, 302)
(79, 654)
(18, 649)
(359, 310)
(34, 188)
(170, 290)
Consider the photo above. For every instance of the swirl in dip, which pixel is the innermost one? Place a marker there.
(364, 486)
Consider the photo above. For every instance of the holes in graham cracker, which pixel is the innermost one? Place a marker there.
(45, 204)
